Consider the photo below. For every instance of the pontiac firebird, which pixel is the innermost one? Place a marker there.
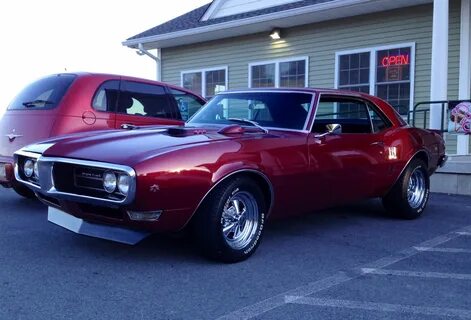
(245, 157)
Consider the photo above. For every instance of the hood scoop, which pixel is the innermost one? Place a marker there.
(232, 129)
(184, 132)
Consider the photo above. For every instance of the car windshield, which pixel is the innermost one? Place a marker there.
(287, 110)
(46, 93)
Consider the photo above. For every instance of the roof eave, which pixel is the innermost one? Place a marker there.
(343, 8)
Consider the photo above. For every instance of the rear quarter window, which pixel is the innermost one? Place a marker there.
(45, 93)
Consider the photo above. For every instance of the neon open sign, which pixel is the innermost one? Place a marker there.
(399, 60)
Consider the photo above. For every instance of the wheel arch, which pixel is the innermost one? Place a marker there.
(261, 179)
(421, 155)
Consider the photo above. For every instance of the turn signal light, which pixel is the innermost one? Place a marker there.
(144, 216)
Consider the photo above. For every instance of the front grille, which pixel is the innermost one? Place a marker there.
(82, 180)
(100, 211)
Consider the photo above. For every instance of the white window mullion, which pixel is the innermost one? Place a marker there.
(203, 83)
(277, 75)
(373, 72)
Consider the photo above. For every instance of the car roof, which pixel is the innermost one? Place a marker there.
(306, 90)
(110, 76)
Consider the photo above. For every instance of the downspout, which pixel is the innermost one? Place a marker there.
(158, 61)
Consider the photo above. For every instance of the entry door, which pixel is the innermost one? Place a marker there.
(354, 158)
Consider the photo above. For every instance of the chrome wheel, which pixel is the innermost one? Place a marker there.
(417, 188)
(239, 220)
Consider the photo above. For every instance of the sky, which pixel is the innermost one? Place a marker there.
(38, 38)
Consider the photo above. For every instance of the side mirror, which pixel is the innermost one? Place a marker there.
(333, 128)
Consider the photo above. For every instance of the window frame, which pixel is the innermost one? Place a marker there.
(373, 64)
(176, 115)
(98, 90)
(203, 77)
(277, 63)
(370, 105)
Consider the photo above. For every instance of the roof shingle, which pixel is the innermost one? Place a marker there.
(192, 19)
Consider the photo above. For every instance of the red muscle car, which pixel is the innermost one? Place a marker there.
(67, 103)
(246, 156)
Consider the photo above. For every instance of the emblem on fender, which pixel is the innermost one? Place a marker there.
(12, 136)
(154, 188)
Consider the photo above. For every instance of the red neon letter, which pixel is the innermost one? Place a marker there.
(405, 59)
(385, 62)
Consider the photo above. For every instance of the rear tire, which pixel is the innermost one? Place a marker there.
(24, 191)
(409, 196)
(229, 225)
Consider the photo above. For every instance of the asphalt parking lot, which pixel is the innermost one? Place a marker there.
(352, 262)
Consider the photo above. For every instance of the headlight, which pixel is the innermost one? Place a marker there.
(36, 170)
(109, 182)
(28, 168)
(123, 184)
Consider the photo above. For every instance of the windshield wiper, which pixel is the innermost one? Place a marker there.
(34, 103)
(255, 124)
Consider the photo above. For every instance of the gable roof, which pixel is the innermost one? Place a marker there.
(191, 28)
(193, 19)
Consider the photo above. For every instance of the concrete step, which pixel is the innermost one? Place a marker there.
(454, 177)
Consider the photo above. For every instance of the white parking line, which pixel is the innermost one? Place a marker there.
(446, 250)
(340, 277)
(418, 274)
(383, 307)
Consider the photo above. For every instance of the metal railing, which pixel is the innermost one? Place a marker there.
(412, 115)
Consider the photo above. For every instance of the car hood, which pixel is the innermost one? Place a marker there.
(129, 147)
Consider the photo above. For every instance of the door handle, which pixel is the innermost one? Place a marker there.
(378, 143)
(128, 126)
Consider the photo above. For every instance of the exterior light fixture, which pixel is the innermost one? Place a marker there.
(275, 34)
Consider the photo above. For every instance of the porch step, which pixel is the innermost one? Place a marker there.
(454, 177)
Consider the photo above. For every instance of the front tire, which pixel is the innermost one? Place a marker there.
(229, 225)
(409, 196)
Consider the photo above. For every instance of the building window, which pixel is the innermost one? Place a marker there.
(386, 72)
(279, 73)
(205, 82)
(393, 77)
(263, 76)
(354, 72)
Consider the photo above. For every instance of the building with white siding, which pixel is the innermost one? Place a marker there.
(403, 51)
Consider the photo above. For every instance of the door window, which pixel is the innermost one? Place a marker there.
(187, 103)
(144, 99)
(352, 114)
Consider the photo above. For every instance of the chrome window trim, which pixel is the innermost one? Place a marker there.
(308, 116)
(318, 99)
(353, 97)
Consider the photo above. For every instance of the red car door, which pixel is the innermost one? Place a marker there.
(145, 104)
(354, 159)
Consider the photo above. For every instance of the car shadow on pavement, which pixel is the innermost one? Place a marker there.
(177, 247)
